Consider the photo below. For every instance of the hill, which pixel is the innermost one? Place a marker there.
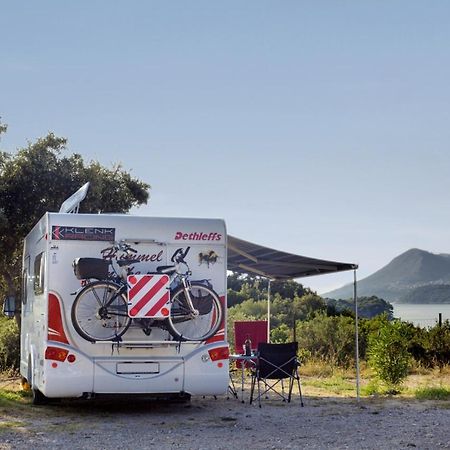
(413, 275)
(434, 293)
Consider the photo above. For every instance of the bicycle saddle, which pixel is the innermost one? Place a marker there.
(127, 262)
(165, 269)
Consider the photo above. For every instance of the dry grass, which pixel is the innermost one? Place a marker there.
(318, 380)
(11, 384)
(433, 379)
(323, 380)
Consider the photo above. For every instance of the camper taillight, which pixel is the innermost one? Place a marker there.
(56, 354)
(217, 354)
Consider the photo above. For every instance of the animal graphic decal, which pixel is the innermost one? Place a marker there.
(208, 257)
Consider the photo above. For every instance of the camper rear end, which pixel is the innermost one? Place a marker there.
(58, 362)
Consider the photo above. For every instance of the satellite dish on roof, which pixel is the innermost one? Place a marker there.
(72, 204)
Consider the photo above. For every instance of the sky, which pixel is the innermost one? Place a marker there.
(320, 128)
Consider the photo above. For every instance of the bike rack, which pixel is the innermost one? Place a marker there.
(147, 344)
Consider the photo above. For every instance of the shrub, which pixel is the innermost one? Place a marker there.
(331, 339)
(281, 334)
(437, 345)
(9, 345)
(388, 354)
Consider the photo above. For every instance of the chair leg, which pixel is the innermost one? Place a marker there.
(300, 390)
(259, 394)
(232, 388)
(291, 385)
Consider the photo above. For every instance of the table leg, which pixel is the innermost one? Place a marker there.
(232, 388)
(242, 381)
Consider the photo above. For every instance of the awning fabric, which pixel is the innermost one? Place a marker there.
(254, 259)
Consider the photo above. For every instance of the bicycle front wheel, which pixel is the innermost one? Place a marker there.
(184, 325)
(99, 312)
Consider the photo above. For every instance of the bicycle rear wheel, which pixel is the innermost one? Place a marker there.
(183, 325)
(99, 312)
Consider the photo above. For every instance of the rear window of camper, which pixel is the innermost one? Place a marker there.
(24, 286)
(39, 265)
(26, 270)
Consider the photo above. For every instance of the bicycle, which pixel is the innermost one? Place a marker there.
(100, 309)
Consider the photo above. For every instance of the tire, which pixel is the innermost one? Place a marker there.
(184, 327)
(39, 398)
(93, 320)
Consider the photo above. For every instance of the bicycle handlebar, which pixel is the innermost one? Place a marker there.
(179, 255)
(124, 247)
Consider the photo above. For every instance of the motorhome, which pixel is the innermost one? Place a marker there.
(60, 359)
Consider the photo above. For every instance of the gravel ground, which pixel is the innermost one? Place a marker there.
(208, 423)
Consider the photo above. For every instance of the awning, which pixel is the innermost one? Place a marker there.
(254, 259)
(249, 258)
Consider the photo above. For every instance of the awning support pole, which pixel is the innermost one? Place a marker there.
(268, 312)
(355, 299)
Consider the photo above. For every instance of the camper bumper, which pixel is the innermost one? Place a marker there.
(207, 370)
(74, 367)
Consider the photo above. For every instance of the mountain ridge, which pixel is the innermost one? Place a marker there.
(414, 270)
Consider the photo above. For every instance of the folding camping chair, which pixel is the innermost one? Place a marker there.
(274, 364)
(256, 330)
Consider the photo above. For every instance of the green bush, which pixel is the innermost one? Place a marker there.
(9, 345)
(437, 345)
(388, 353)
(331, 339)
(281, 334)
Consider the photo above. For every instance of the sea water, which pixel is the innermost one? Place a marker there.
(423, 315)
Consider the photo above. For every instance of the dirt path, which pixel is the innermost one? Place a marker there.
(223, 424)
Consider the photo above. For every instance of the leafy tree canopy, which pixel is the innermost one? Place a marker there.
(38, 178)
(244, 287)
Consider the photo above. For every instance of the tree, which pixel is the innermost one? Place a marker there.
(38, 178)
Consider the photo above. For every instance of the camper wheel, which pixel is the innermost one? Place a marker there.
(39, 398)
(183, 397)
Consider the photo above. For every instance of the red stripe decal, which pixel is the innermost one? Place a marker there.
(216, 338)
(140, 284)
(158, 305)
(220, 335)
(55, 323)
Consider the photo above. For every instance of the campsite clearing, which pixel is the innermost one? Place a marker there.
(324, 422)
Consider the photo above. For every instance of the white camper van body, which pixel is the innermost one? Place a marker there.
(139, 364)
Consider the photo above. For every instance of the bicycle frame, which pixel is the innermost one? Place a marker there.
(174, 273)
